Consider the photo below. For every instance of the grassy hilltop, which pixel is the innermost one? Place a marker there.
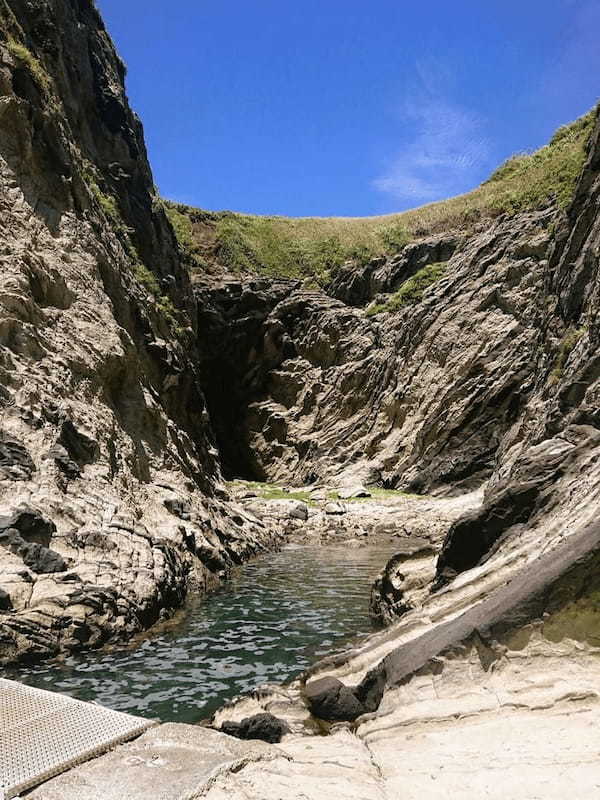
(311, 247)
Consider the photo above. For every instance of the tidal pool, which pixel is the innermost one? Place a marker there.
(277, 614)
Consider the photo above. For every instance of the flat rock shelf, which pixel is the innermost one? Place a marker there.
(274, 617)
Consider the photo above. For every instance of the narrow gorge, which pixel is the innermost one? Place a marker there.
(412, 404)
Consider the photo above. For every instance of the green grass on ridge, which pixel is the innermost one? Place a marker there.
(314, 247)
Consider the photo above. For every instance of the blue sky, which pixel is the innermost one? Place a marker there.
(342, 107)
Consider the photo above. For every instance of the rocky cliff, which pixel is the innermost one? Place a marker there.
(109, 475)
(425, 391)
(486, 680)
(464, 361)
(484, 378)
(467, 360)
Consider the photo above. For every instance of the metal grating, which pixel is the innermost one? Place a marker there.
(43, 734)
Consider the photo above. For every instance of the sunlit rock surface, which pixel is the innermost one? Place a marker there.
(125, 391)
(103, 426)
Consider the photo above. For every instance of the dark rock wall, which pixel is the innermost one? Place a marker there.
(235, 360)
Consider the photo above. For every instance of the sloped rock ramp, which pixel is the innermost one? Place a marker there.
(42, 734)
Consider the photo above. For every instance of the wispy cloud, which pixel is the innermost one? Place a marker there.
(447, 146)
(444, 143)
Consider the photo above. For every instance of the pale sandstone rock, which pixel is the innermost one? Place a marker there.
(170, 762)
(335, 508)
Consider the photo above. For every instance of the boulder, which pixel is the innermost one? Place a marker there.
(299, 511)
(38, 558)
(42, 560)
(247, 494)
(330, 699)
(265, 727)
(335, 508)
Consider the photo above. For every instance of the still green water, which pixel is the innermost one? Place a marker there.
(277, 615)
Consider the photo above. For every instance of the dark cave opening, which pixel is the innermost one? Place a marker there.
(237, 351)
(227, 405)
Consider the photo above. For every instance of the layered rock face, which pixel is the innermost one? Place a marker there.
(425, 399)
(488, 682)
(492, 689)
(124, 390)
(488, 380)
(109, 501)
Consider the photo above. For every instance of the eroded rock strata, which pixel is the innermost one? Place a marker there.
(104, 432)
(424, 399)
(127, 391)
(488, 682)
